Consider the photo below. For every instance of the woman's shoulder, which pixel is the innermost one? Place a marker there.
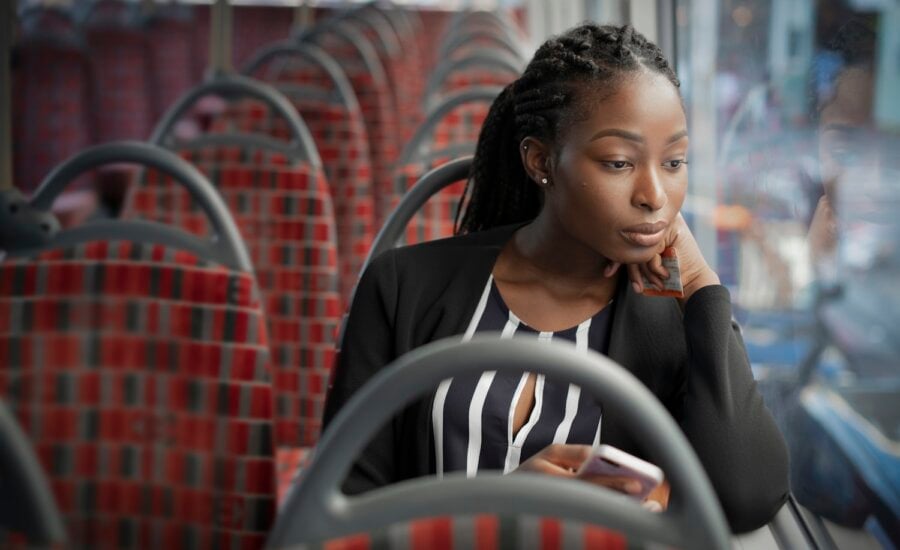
(449, 252)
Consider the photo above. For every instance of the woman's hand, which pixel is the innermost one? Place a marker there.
(695, 272)
(564, 460)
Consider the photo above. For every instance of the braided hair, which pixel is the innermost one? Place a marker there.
(542, 100)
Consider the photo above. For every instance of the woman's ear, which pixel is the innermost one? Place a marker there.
(536, 160)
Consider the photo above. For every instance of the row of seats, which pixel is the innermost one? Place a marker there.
(166, 374)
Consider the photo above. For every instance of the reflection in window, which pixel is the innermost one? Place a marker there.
(807, 221)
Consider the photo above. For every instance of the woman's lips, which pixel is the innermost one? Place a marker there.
(645, 234)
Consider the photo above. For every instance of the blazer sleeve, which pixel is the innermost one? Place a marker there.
(724, 417)
(367, 346)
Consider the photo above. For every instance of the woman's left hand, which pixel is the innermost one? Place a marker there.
(695, 272)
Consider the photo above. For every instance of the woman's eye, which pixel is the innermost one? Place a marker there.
(616, 164)
(675, 164)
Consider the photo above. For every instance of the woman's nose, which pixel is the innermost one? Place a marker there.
(649, 193)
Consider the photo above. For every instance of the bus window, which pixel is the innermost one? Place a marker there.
(796, 190)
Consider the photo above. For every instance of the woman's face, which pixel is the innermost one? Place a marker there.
(618, 177)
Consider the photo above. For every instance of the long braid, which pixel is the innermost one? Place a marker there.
(498, 190)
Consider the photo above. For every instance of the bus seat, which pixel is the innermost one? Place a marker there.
(450, 131)
(320, 91)
(481, 69)
(135, 358)
(482, 532)
(369, 79)
(694, 518)
(281, 202)
(286, 219)
(405, 67)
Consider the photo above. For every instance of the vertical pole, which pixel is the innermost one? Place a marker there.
(215, 29)
(303, 15)
(219, 39)
(665, 28)
(704, 42)
(227, 36)
(7, 28)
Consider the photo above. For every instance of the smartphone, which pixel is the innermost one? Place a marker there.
(609, 461)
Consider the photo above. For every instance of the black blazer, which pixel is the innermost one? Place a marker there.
(694, 362)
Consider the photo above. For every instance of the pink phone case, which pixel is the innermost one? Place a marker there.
(611, 462)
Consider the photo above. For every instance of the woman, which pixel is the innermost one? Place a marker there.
(577, 182)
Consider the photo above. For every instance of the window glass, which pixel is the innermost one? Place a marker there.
(805, 215)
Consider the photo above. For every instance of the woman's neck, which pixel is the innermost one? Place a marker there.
(540, 253)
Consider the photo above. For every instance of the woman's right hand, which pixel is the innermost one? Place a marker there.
(564, 460)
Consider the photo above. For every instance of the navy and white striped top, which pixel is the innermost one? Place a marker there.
(472, 417)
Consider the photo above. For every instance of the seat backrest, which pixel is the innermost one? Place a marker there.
(370, 84)
(286, 218)
(137, 363)
(320, 91)
(340, 139)
(484, 531)
(693, 518)
(450, 131)
(407, 70)
(141, 375)
(488, 68)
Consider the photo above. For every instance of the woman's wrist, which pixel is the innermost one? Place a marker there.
(706, 278)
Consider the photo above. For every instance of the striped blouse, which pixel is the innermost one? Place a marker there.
(472, 417)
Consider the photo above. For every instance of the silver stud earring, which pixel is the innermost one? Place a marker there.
(544, 181)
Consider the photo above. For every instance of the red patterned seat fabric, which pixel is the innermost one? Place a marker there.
(141, 375)
(483, 532)
(340, 138)
(375, 100)
(462, 80)
(436, 218)
(285, 215)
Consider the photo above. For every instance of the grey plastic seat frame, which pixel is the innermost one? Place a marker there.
(387, 237)
(475, 19)
(27, 505)
(224, 245)
(309, 52)
(415, 148)
(301, 147)
(488, 59)
(316, 509)
(397, 18)
(429, 185)
(388, 41)
(350, 33)
(500, 41)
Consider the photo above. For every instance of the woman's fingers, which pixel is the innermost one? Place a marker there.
(624, 485)
(652, 277)
(634, 275)
(557, 460)
(566, 456)
(656, 266)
